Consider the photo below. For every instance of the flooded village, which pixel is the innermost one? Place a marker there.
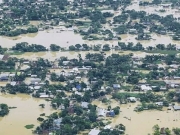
(90, 67)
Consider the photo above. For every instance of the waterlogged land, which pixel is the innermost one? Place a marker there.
(144, 121)
(27, 111)
(62, 72)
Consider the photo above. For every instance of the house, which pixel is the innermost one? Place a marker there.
(110, 113)
(78, 93)
(4, 77)
(159, 103)
(43, 95)
(26, 62)
(116, 86)
(176, 78)
(107, 127)
(65, 63)
(132, 31)
(57, 123)
(78, 78)
(37, 87)
(101, 112)
(24, 67)
(132, 99)
(84, 105)
(33, 76)
(176, 107)
(177, 91)
(78, 87)
(172, 83)
(70, 110)
(13, 83)
(145, 88)
(35, 81)
(94, 132)
(4, 57)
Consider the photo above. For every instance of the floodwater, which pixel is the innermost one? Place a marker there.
(67, 38)
(153, 9)
(56, 55)
(27, 111)
(142, 122)
(45, 38)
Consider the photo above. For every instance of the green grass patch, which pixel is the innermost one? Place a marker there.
(29, 126)
(15, 53)
(7, 70)
(128, 94)
(156, 82)
(126, 87)
(170, 52)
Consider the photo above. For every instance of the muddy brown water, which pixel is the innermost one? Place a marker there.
(141, 123)
(27, 111)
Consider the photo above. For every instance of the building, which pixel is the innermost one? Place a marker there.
(176, 108)
(116, 86)
(159, 103)
(132, 99)
(84, 105)
(57, 123)
(94, 132)
(110, 113)
(101, 112)
(4, 77)
(145, 88)
(35, 81)
(4, 57)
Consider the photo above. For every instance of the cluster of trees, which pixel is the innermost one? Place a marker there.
(4, 110)
(25, 47)
(131, 46)
(18, 32)
(55, 77)
(7, 65)
(2, 50)
(165, 131)
(82, 121)
(119, 129)
(54, 47)
(20, 88)
(147, 97)
(77, 47)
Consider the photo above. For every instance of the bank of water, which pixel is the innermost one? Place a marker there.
(27, 112)
(141, 123)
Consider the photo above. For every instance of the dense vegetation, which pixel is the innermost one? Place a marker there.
(4, 110)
